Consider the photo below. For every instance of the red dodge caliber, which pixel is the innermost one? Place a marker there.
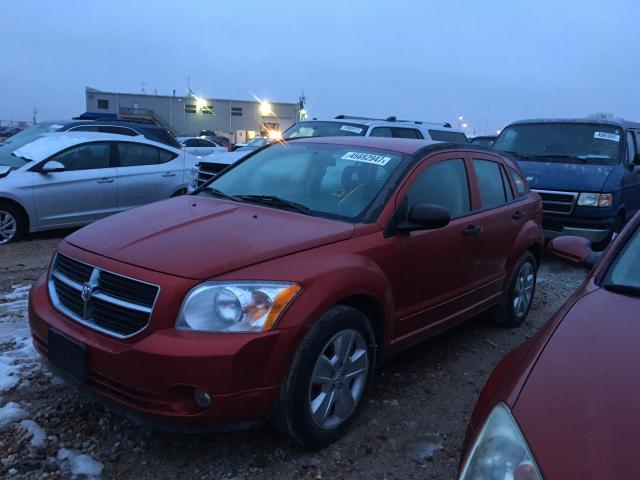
(567, 404)
(275, 290)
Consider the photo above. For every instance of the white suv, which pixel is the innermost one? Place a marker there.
(344, 125)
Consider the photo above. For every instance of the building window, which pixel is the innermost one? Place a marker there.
(207, 110)
(236, 111)
(190, 109)
(103, 104)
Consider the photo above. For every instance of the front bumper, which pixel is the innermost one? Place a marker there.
(153, 376)
(594, 230)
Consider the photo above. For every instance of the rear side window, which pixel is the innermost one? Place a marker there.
(160, 135)
(87, 156)
(136, 154)
(521, 188)
(490, 183)
(445, 136)
(118, 130)
(631, 148)
(444, 183)
(507, 185)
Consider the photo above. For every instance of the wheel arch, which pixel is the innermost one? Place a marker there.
(18, 205)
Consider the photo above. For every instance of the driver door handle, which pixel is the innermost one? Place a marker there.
(105, 180)
(472, 230)
(169, 174)
(518, 215)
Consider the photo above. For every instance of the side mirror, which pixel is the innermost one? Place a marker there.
(426, 216)
(52, 166)
(576, 250)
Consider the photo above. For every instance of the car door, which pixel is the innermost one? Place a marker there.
(500, 217)
(147, 173)
(84, 192)
(438, 266)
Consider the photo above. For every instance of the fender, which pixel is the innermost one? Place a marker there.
(530, 235)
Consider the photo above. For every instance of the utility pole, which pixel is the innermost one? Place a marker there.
(35, 113)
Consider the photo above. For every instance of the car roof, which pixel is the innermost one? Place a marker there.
(47, 145)
(376, 122)
(615, 123)
(113, 122)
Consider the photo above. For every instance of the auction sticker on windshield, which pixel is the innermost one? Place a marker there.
(366, 158)
(349, 128)
(607, 136)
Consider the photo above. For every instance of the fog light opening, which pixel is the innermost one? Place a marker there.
(202, 398)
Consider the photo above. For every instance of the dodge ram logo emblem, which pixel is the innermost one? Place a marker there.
(86, 294)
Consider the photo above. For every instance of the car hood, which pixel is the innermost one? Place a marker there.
(200, 237)
(580, 407)
(570, 177)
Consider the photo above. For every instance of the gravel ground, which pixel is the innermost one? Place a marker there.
(412, 427)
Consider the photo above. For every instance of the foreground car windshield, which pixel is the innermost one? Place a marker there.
(334, 181)
(624, 273)
(325, 129)
(563, 142)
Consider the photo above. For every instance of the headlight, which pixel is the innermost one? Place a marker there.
(595, 200)
(500, 451)
(235, 307)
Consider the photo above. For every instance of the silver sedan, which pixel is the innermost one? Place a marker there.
(65, 180)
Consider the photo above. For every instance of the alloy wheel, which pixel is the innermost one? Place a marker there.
(338, 379)
(8, 227)
(523, 291)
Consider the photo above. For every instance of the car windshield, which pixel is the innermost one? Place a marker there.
(332, 181)
(624, 273)
(7, 157)
(35, 131)
(325, 129)
(253, 144)
(598, 144)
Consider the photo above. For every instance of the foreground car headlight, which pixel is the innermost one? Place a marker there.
(500, 451)
(235, 307)
(595, 200)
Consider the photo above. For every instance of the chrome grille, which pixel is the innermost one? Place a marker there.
(558, 202)
(102, 300)
(206, 171)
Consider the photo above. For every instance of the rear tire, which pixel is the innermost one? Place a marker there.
(12, 223)
(514, 306)
(328, 380)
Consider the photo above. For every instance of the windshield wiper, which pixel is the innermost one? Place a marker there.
(521, 156)
(630, 290)
(563, 157)
(277, 202)
(219, 193)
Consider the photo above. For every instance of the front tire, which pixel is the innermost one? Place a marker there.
(12, 223)
(514, 307)
(329, 378)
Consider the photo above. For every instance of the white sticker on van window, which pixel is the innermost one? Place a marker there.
(366, 158)
(607, 136)
(349, 128)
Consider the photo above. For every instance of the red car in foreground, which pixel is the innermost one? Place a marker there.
(567, 403)
(276, 290)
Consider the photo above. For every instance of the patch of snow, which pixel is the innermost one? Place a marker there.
(36, 431)
(21, 357)
(11, 413)
(79, 463)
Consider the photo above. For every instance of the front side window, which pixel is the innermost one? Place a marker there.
(406, 133)
(598, 144)
(381, 132)
(136, 154)
(631, 148)
(332, 181)
(325, 129)
(444, 183)
(493, 191)
(87, 156)
(445, 136)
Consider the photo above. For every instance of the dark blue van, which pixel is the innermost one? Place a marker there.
(586, 171)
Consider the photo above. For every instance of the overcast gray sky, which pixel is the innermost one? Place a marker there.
(418, 59)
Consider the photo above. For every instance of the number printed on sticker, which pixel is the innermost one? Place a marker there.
(349, 128)
(366, 158)
(607, 136)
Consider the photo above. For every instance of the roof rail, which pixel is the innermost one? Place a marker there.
(391, 118)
